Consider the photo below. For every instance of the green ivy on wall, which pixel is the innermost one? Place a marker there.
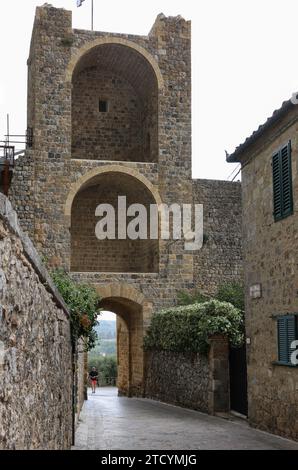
(83, 304)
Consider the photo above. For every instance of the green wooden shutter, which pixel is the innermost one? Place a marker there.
(277, 187)
(286, 176)
(287, 333)
(282, 183)
(291, 329)
(282, 340)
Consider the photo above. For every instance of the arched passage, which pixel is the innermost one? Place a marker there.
(88, 253)
(115, 88)
(130, 307)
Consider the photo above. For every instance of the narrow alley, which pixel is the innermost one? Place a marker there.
(109, 422)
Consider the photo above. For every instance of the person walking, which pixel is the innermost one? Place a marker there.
(93, 378)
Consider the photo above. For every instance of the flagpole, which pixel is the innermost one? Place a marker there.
(80, 3)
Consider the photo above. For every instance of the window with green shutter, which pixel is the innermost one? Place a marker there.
(282, 183)
(287, 332)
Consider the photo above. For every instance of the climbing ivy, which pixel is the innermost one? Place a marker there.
(232, 292)
(194, 297)
(187, 328)
(83, 304)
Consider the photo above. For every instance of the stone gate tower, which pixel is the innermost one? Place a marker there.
(111, 116)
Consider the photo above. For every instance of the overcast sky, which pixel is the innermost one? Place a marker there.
(244, 62)
(105, 315)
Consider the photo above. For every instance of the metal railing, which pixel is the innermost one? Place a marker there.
(7, 157)
(7, 154)
(107, 381)
(24, 139)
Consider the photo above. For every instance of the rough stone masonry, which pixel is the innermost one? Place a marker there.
(270, 254)
(35, 347)
(191, 380)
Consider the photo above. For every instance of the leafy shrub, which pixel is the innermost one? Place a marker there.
(232, 292)
(187, 328)
(83, 304)
(189, 298)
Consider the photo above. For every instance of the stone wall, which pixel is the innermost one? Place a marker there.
(35, 347)
(191, 380)
(122, 356)
(120, 133)
(21, 192)
(220, 259)
(270, 260)
(81, 378)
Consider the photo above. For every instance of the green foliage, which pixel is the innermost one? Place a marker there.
(106, 367)
(232, 292)
(67, 41)
(189, 298)
(83, 304)
(187, 328)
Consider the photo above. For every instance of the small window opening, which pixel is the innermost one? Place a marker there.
(103, 106)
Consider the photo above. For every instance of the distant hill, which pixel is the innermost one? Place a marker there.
(107, 338)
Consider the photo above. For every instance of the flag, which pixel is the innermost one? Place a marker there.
(80, 3)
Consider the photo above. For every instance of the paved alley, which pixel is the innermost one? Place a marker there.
(108, 422)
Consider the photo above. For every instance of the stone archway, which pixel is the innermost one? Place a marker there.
(113, 254)
(113, 40)
(115, 102)
(133, 314)
(116, 168)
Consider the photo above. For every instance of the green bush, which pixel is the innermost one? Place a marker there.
(232, 292)
(83, 304)
(187, 328)
(189, 298)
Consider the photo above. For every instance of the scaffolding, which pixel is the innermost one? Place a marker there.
(8, 154)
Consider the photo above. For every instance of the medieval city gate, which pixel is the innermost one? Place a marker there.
(115, 115)
(131, 309)
(115, 257)
(110, 116)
